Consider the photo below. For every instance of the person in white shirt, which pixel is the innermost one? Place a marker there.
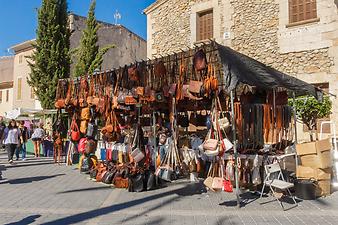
(12, 134)
(37, 137)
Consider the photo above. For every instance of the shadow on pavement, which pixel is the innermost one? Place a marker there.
(155, 221)
(84, 189)
(225, 220)
(24, 164)
(27, 220)
(187, 190)
(30, 179)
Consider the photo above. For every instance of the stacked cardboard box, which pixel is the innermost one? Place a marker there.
(316, 164)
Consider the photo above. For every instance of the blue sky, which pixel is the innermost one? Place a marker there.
(18, 18)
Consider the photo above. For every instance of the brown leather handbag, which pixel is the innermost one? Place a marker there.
(83, 126)
(159, 69)
(61, 92)
(85, 113)
(200, 60)
(133, 73)
(75, 132)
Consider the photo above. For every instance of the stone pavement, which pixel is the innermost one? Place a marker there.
(39, 192)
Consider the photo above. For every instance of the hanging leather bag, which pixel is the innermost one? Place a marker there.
(75, 132)
(200, 60)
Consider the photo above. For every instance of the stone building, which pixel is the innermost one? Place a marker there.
(6, 84)
(129, 48)
(297, 37)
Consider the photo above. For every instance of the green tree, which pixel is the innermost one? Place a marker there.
(50, 60)
(309, 110)
(89, 56)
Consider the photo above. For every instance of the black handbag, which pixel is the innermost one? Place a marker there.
(86, 165)
(136, 183)
(183, 120)
(91, 130)
(108, 177)
(150, 181)
(93, 173)
(92, 127)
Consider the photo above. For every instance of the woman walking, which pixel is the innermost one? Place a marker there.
(23, 140)
(37, 137)
(12, 134)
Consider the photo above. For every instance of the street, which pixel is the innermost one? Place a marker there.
(39, 192)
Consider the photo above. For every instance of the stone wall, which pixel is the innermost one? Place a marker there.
(129, 46)
(254, 32)
(256, 35)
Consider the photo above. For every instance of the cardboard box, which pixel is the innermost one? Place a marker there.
(319, 161)
(310, 173)
(288, 163)
(315, 154)
(312, 148)
(306, 148)
(323, 188)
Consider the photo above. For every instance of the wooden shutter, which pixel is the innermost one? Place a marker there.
(18, 97)
(301, 10)
(205, 25)
(0, 96)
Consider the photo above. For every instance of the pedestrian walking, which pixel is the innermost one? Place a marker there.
(23, 140)
(2, 130)
(12, 135)
(37, 137)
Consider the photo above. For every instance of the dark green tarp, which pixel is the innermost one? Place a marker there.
(239, 68)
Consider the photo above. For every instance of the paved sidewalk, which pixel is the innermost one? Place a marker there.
(39, 192)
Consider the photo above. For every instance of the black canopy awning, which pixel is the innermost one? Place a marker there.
(239, 68)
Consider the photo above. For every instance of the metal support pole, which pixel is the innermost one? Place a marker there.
(154, 142)
(235, 147)
(295, 116)
(295, 125)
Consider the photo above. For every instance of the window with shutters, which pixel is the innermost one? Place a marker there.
(7, 95)
(205, 25)
(302, 10)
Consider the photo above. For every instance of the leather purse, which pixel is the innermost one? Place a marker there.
(121, 97)
(133, 73)
(151, 180)
(195, 86)
(140, 91)
(83, 126)
(200, 60)
(217, 183)
(137, 155)
(159, 69)
(183, 120)
(85, 113)
(75, 132)
(210, 145)
(120, 182)
(82, 145)
(91, 130)
(130, 100)
(136, 183)
(172, 89)
(91, 146)
(227, 186)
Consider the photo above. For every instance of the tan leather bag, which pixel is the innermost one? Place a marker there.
(83, 126)
(85, 113)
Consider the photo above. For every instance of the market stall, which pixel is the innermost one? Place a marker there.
(209, 113)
